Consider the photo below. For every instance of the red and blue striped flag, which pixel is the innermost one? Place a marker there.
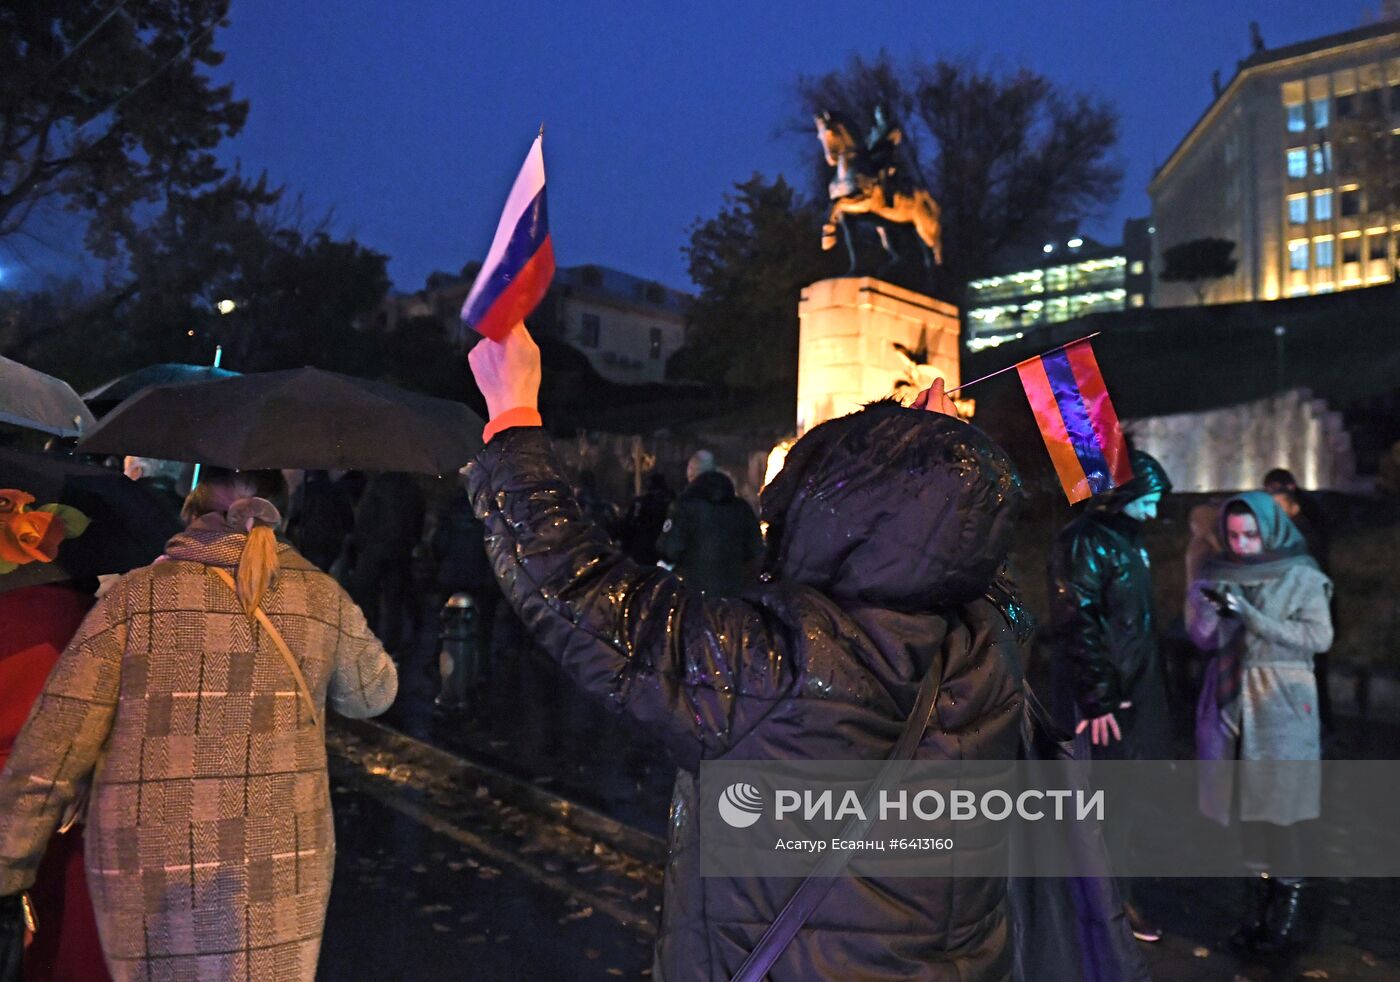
(520, 264)
(1077, 420)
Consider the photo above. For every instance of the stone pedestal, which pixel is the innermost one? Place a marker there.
(846, 349)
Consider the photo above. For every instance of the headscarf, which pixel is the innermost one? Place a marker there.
(1284, 546)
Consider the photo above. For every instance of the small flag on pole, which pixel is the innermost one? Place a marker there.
(520, 264)
(1077, 420)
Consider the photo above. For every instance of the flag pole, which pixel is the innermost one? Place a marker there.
(1003, 371)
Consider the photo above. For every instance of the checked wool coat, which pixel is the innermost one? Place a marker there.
(209, 839)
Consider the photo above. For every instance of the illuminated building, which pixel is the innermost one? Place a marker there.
(1072, 277)
(1260, 169)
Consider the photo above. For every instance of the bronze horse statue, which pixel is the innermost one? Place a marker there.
(865, 184)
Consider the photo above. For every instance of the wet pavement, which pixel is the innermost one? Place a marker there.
(520, 840)
(439, 877)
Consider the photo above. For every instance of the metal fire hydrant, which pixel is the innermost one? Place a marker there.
(459, 659)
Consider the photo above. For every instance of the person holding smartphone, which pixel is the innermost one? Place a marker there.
(1260, 607)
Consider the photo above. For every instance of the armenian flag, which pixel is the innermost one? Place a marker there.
(520, 264)
(1077, 420)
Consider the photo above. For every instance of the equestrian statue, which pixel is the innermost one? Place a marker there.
(871, 181)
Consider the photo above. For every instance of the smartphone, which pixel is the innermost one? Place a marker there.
(1217, 598)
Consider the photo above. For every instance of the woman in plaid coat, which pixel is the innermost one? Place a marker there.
(209, 838)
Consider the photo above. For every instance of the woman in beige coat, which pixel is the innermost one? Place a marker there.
(1260, 607)
(210, 846)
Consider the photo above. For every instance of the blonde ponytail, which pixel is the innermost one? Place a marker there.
(257, 564)
(257, 567)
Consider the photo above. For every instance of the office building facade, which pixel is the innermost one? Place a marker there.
(1275, 167)
(1071, 278)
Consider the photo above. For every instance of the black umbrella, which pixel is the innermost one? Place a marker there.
(107, 396)
(128, 526)
(300, 418)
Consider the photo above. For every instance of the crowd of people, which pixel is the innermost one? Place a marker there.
(176, 721)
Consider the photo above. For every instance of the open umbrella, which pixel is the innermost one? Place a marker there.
(304, 417)
(126, 525)
(108, 395)
(31, 399)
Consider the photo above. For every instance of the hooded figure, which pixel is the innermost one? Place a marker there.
(1102, 620)
(887, 529)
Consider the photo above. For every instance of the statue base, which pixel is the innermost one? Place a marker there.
(852, 330)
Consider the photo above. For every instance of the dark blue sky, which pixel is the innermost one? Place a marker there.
(410, 119)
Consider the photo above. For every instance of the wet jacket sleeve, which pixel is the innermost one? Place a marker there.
(61, 741)
(364, 680)
(1077, 580)
(697, 672)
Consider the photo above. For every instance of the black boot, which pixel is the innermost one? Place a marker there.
(1142, 928)
(1259, 892)
(1284, 923)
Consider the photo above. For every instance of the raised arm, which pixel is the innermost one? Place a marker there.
(697, 672)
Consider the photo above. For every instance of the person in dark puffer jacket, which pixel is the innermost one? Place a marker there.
(1110, 682)
(711, 534)
(887, 531)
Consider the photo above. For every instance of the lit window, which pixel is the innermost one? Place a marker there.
(1322, 254)
(592, 329)
(1298, 163)
(1320, 116)
(655, 343)
(1138, 300)
(1138, 268)
(1298, 209)
(1322, 158)
(1298, 255)
(1322, 206)
(1296, 121)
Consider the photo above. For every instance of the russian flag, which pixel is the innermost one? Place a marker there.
(520, 265)
(1077, 420)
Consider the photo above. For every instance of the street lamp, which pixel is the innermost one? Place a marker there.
(224, 307)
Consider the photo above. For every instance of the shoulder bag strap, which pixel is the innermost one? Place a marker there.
(281, 644)
(819, 882)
